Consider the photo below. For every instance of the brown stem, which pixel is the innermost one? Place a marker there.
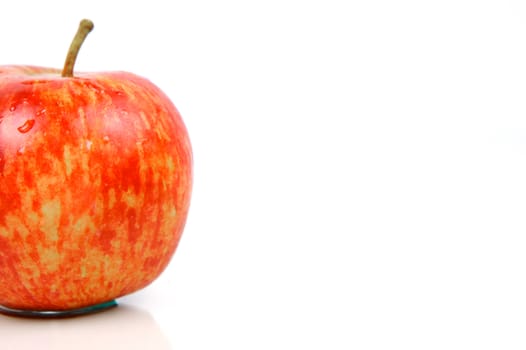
(85, 27)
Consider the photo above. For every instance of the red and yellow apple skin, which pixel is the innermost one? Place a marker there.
(95, 185)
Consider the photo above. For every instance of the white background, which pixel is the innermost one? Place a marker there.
(360, 171)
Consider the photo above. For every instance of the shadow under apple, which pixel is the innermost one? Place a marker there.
(123, 327)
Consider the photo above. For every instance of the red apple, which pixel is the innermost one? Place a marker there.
(95, 182)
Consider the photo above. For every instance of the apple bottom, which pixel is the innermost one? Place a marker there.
(58, 313)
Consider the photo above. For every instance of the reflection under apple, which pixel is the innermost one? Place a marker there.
(123, 327)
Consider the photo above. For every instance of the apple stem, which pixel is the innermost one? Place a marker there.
(85, 27)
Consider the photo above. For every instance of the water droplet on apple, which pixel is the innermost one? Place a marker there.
(41, 112)
(12, 108)
(27, 126)
(106, 139)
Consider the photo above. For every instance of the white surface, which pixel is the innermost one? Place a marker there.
(360, 171)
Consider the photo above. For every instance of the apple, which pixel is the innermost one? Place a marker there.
(95, 185)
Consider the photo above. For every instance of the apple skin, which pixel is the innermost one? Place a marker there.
(95, 186)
